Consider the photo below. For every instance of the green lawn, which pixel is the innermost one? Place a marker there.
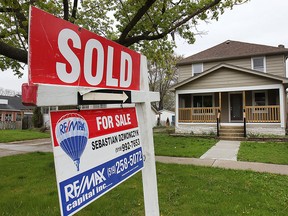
(266, 152)
(16, 135)
(28, 187)
(166, 145)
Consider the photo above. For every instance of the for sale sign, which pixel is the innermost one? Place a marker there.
(62, 53)
(94, 151)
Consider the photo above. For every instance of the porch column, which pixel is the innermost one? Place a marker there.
(282, 102)
(220, 100)
(176, 109)
(244, 99)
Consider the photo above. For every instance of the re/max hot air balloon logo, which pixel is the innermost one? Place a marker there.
(72, 135)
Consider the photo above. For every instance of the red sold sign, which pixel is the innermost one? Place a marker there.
(62, 53)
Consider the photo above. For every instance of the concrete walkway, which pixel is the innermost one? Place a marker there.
(21, 147)
(223, 150)
(223, 155)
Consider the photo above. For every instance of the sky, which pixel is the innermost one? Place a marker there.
(258, 21)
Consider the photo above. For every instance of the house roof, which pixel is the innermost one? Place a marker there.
(164, 110)
(14, 103)
(231, 50)
(229, 66)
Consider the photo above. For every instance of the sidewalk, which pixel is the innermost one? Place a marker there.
(21, 147)
(227, 164)
(223, 155)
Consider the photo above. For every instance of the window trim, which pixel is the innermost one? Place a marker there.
(264, 62)
(193, 68)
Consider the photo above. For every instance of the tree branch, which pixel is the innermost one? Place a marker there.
(3, 10)
(66, 9)
(135, 20)
(20, 17)
(74, 10)
(13, 53)
(129, 41)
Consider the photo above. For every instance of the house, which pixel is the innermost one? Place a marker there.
(154, 117)
(235, 84)
(166, 114)
(13, 114)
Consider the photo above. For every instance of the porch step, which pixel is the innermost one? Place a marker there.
(231, 132)
(232, 138)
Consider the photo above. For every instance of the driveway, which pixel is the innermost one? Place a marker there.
(20, 147)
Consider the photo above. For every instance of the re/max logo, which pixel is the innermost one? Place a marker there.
(67, 126)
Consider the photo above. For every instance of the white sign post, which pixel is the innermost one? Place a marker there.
(59, 70)
(149, 172)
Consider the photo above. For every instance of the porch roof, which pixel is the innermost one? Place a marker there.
(283, 80)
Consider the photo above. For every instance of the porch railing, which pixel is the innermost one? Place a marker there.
(201, 114)
(262, 113)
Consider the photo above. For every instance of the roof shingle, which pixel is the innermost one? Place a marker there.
(231, 50)
(14, 103)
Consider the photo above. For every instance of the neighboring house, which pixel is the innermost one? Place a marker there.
(233, 81)
(166, 114)
(154, 116)
(13, 114)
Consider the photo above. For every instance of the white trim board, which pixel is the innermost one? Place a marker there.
(244, 88)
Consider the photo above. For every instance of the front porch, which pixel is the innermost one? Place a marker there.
(263, 114)
(259, 110)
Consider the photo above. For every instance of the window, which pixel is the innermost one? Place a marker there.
(1, 117)
(203, 101)
(45, 110)
(8, 117)
(197, 68)
(259, 64)
(260, 98)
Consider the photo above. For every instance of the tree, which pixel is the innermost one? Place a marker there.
(37, 118)
(162, 72)
(8, 92)
(127, 22)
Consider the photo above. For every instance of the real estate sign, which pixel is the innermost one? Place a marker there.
(61, 53)
(94, 151)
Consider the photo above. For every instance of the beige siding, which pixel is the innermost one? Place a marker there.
(224, 77)
(276, 65)
(184, 72)
(245, 63)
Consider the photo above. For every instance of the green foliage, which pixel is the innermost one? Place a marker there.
(37, 118)
(128, 22)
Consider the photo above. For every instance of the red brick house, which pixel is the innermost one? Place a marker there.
(13, 114)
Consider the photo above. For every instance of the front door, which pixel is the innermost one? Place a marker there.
(236, 107)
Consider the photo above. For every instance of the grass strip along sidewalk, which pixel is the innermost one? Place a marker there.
(166, 145)
(20, 135)
(28, 187)
(265, 152)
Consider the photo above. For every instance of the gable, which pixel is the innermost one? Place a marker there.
(225, 77)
